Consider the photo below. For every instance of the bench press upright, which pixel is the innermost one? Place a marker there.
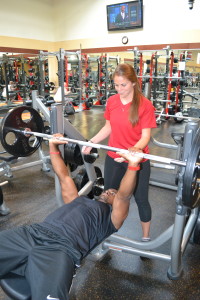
(60, 124)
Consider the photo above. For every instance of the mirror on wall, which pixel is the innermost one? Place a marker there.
(164, 75)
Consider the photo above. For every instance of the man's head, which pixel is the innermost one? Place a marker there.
(108, 196)
(123, 9)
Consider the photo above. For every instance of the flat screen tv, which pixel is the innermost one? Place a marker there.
(126, 15)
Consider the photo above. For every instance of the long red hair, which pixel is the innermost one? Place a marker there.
(127, 71)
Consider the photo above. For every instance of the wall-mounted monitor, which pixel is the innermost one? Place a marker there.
(126, 15)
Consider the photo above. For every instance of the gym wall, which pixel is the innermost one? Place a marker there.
(166, 21)
(26, 19)
(54, 24)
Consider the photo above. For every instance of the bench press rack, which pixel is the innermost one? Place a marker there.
(179, 233)
(60, 124)
(187, 197)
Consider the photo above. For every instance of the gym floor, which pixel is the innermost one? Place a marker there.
(30, 197)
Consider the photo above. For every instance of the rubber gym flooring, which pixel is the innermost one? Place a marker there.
(30, 197)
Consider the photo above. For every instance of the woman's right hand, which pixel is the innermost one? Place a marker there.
(86, 150)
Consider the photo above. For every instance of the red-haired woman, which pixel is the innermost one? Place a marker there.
(129, 119)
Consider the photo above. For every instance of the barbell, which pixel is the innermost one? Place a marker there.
(20, 144)
(178, 116)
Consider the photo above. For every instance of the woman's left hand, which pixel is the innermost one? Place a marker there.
(119, 159)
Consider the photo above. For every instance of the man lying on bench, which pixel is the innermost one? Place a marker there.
(47, 253)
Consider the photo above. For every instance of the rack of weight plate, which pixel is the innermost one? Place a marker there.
(90, 80)
(12, 70)
(63, 58)
(26, 74)
(165, 89)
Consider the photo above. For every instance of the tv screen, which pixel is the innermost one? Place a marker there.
(126, 15)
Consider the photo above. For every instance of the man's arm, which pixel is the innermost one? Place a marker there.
(68, 187)
(122, 198)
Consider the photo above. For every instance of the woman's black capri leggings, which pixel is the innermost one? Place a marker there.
(113, 174)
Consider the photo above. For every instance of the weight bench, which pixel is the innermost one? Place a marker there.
(16, 287)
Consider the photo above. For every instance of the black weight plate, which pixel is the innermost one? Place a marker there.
(76, 153)
(69, 153)
(81, 179)
(72, 154)
(191, 195)
(98, 171)
(73, 167)
(99, 174)
(98, 186)
(179, 117)
(89, 158)
(12, 139)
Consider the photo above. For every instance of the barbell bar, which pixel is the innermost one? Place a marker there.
(160, 114)
(14, 123)
(22, 145)
(160, 77)
(104, 147)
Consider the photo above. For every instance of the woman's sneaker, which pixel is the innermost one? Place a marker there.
(146, 239)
